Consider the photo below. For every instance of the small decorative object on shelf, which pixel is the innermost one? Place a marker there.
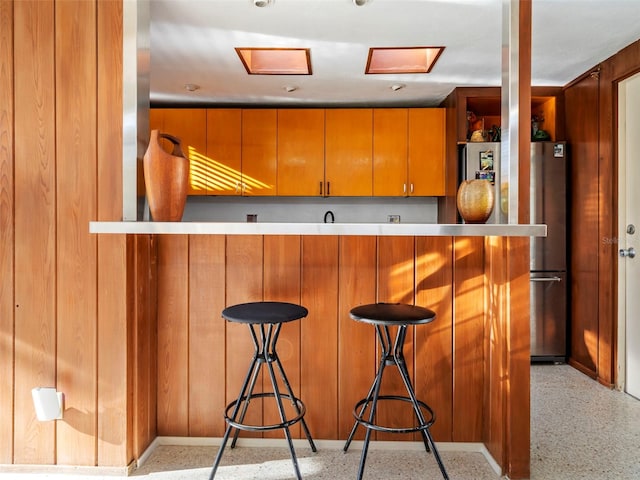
(475, 200)
(166, 177)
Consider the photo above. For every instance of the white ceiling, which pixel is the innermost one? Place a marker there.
(193, 41)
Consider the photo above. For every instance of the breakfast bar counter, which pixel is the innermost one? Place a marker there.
(282, 228)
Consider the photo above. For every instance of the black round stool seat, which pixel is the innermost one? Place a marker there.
(392, 314)
(264, 320)
(264, 312)
(396, 317)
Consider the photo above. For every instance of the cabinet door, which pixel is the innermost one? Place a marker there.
(259, 128)
(189, 125)
(224, 154)
(390, 152)
(300, 152)
(156, 119)
(348, 152)
(426, 151)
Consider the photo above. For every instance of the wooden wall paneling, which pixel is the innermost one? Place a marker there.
(447, 209)
(357, 360)
(244, 271)
(517, 391)
(282, 284)
(434, 341)
(6, 229)
(606, 360)
(495, 351)
(35, 287)
(396, 270)
(468, 334)
(507, 373)
(114, 263)
(173, 335)
(76, 177)
(145, 341)
(114, 373)
(581, 103)
(319, 335)
(206, 367)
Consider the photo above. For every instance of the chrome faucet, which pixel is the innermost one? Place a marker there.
(329, 214)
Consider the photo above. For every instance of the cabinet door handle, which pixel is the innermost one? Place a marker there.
(328, 189)
(411, 189)
(404, 188)
(321, 187)
(237, 187)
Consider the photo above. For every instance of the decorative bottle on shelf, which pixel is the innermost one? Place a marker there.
(166, 178)
(475, 200)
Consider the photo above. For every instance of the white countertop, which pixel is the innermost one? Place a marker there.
(268, 228)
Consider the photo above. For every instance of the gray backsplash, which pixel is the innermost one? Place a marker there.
(311, 209)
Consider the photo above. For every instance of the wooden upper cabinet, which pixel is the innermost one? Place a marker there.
(390, 126)
(310, 152)
(224, 151)
(426, 152)
(259, 160)
(348, 152)
(301, 152)
(189, 125)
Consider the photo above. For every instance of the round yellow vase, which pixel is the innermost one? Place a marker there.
(475, 200)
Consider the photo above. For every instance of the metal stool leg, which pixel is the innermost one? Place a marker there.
(287, 433)
(285, 380)
(398, 356)
(376, 382)
(402, 367)
(254, 370)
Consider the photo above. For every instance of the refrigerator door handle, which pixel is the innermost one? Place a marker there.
(546, 279)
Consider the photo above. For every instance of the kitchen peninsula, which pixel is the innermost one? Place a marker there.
(475, 277)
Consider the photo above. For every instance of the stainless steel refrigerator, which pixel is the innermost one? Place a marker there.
(549, 292)
(548, 267)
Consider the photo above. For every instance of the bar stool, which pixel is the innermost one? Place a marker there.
(383, 316)
(265, 319)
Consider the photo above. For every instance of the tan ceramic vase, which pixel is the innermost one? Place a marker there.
(475, 200)
(166, 177)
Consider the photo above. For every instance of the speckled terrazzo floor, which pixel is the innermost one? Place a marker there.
(326, 464)
(579, 430)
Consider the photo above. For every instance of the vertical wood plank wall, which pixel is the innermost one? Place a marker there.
(7, 233)
(591, 109)
(65, 307)
(330, 358)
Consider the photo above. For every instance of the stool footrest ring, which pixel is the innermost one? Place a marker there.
(261, 428)
(380, 428)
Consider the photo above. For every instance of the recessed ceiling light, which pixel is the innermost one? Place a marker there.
(360, 3)
(402, 59)
(290, 88)
(191, 87)
(276, 61)
(262, 3)
(397, 86)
